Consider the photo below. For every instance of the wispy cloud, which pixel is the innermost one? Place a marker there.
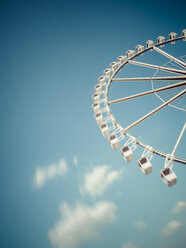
(44, 174)
(140, 224)
(81, 223)
(180, 205)
(75, 159)
(99, 179)
(170, 228)
(129, 244)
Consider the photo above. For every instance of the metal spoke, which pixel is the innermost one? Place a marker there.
(172, 64)
(168, 84)
(154, 111)
(168, 87)
(169, 56)
(164, 73)
(157, 67)
(182, 59)
(179, 138)
(149, 79)
(168, 96)
(180, 101)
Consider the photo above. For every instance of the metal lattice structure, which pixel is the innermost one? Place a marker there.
(171, 78)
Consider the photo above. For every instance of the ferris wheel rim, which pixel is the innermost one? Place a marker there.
(118, 126)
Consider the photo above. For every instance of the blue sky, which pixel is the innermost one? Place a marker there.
(58, 174)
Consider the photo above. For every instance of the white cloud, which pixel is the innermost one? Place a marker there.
(129, 244)
(81, 223)
(180, 205)
(75, 159)
(44, 174)
(99, 179)
(170, 228)
(140, 224)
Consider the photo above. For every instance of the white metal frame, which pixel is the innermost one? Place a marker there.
(178, 74)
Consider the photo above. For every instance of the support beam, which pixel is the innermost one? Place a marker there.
(149, 79)
(173, 70)
(168, 87)
(155, 110)
(170, 56)
(179, 138)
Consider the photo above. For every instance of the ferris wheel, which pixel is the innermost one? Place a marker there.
(167, 84)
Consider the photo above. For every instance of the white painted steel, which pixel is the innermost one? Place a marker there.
(168, 87)
(162, 68)
(169, 56)
(124, 60)
(173, 78)
(155, 110)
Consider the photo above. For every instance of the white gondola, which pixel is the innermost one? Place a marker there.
(96, 97)
(96, 107)
(130, 54)
(149, 44)
(114, 66)
(105, 130)
(145, 165)
(107, 73)
(98, 88)
(102, 81)
(114, 141)
(160, 39)
(168, 176)
(139, 48)
(122, 59)
(99, 118)
(172, 36)
(127, 153)
(184, 34)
